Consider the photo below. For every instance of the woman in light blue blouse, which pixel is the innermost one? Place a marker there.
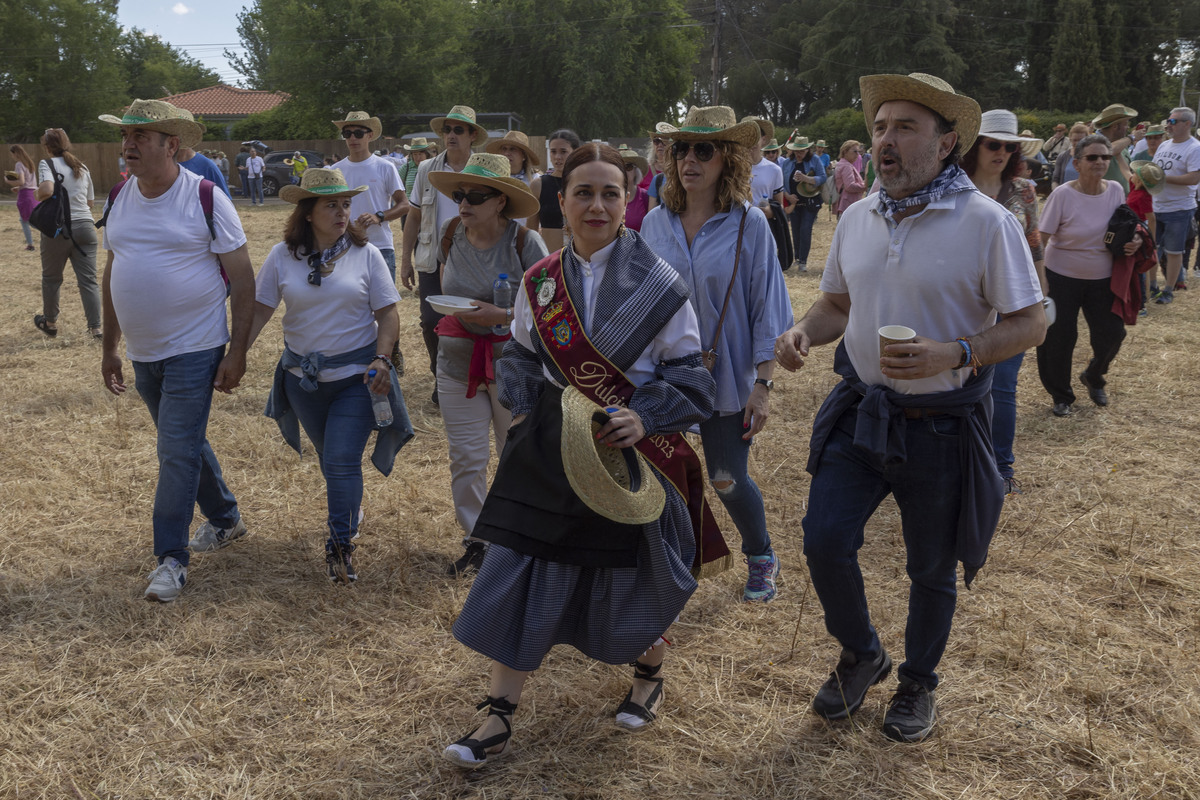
(704, 227)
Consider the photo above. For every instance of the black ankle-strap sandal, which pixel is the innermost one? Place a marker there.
(473, 753)
(632, 716)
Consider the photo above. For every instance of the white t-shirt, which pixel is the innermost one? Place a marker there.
(943, 272)
(166, 280)
(255, 166)
(80, 189)
(766, 179)
(1177, 159)
(336, 317)
(382, 180)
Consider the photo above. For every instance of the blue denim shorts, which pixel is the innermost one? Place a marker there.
(1173, 229)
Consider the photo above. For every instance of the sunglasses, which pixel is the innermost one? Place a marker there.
(314, 277)
(994, 146)
(357, 133)
(630, 166)
(659, 140)
(457, 130)
(703, 150)
(1097, 157)
(473, 198)
(1173, 121)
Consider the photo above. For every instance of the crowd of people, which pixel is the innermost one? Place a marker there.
(585, 318)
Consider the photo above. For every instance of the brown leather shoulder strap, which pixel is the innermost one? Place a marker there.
(737, 257)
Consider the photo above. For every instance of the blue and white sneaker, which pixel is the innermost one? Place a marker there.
(760, 586)
(209, 537)
(166, 581)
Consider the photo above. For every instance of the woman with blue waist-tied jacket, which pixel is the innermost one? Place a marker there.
(339, 326)
(722, 247)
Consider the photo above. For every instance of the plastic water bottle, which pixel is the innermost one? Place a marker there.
(502, 297)
(381, 404)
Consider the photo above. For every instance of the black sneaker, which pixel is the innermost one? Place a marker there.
(340, 566)
(911, 713)
(471, 559)
(843, 693)
(1012, 486)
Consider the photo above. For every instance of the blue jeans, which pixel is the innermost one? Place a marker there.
(389, 258)
(338, 419)
(256, 194)
(803, 218)
(1004, 412)
(178, 391)
(244, 181)
(725, 456)
(847, 488)
(1172, 231)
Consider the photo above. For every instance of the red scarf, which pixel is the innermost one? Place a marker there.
(481, 368)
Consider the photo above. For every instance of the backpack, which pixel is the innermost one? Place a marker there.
(53, 215)
(206, 205)
(452, 226)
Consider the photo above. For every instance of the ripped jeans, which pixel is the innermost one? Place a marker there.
(726, 455)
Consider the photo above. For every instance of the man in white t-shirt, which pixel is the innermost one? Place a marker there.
(1175, 205)
(430, 212)
(384, 200)
(255, 167)
(164, 289)
(766, 176)
(932, 253)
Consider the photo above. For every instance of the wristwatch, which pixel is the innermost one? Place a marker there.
(770, 384)
(380, 215)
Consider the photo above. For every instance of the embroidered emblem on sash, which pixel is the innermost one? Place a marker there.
(562, 333)
(553, 311)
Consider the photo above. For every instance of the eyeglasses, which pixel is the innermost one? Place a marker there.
(357, 133)
(1097, 157)
(457, 130)
(474, 198)
(703, 150)
(994, 146)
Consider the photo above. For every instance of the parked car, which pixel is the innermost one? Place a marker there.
(277, 174)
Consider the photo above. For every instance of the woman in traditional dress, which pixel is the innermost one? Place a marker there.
(723, 249)
(557, 572)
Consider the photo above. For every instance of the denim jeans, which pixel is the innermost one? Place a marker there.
(338, 420)
(256, 192)
(725, 457)
(178, 391)
(429, 283)
(389, 258)
(847, 488)
(244, 181)
(803, 218)
(1004, 412)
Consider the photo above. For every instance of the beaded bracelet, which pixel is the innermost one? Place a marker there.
(969, 358)
(384, 359)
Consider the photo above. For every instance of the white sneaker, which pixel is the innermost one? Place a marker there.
(166, 581)
(209, 537)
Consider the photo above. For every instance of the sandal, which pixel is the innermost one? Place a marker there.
(634, 717)
(40, 322)
(474, 753)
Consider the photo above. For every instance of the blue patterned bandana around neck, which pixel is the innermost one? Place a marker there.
(317, 261)
(950, 180)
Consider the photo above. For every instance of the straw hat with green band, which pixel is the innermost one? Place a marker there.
(617, 483)
(419, 144)
(765, 126)
(926, 90)
(490, 170)
(1113, 113)
(1153, 179)
(798, 143)
(628, 154)
(772, 146)
(361, 119)
(460, 114)
(319, 182)
(713, 124)
(161, 116)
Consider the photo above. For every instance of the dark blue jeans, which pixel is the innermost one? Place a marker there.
(803, 218)
(338, 420)
(1004, 412)
(726, 455)
(847, 488)
(178, 391)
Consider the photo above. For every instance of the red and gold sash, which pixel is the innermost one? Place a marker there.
(561, 330)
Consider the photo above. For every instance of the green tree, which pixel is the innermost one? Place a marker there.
(154, 68)
(603, 67)
(58, 69)
(1077, 75)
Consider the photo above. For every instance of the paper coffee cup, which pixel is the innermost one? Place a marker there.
(894, 334)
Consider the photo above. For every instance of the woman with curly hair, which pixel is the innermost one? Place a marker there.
(722, 246)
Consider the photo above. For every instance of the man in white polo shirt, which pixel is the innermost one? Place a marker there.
(1175, 205)
(164, 289)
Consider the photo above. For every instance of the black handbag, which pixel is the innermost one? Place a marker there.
(53, 214)
(1122, 227)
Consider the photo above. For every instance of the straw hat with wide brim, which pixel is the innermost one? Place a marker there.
(361, 119)
(1114, 113)
(617, 483)
(491, 170)
(713, 124)
(419, 144)
(772, 146)
(628, 154)
(926, 90)
(797, 143)
(319, 182)
(765, 126)
(1153, 179)
(520, 141)
(161, 116)
(460, 114)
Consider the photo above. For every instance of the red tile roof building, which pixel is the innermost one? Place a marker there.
(222, 106)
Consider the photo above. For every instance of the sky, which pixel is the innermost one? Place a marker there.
(201, 28)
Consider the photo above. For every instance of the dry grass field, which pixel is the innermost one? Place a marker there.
(1072, 671)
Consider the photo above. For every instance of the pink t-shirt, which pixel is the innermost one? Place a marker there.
(1078, 222)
